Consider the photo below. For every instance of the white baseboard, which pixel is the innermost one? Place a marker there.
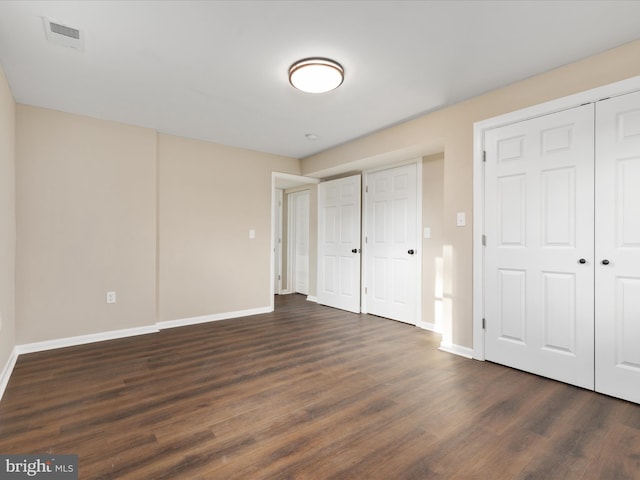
(312, 298)
(456, 350)
(449, 348)
(428, 326)
(112, 335)
(211, 318)
(7, 371)
(285, 292)
(83, 339)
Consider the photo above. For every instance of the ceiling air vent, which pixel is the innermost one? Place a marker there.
(63, 35)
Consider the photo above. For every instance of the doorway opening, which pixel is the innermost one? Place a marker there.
(293, 244)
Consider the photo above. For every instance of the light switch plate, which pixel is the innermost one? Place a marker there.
(461, 219)
(427, 232)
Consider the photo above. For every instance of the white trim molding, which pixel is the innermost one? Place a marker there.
(84, 339)
(8, 370)
(312, 298)
(448, 348)
(212, 318)
(457, 350)
(430, 327)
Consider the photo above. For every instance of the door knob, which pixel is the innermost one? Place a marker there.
(582, 260)
(411, 252)
(354, 250)
(605, 262)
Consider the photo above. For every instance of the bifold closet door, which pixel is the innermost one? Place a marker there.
(539, 254)
(617, 273)
(339, 222)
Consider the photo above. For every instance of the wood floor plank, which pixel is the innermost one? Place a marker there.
(308, 392)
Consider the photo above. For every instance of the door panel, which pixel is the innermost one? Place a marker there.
(618, 242)
(391, 203)
(512, 289)
(339, 207)
(277, 241)
(559, 312)
(512, 201)
(538, 297)
(559, 209)
(300, 229)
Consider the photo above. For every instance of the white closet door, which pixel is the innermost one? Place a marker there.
(339, 213)
(618, 247)
(392, 243)
(299, 228)
(277, 241)
(539, 226)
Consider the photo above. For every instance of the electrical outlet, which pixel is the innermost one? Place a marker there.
(111, 297)
(252, 234)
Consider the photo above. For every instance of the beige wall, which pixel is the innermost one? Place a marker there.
(86, 224)
(209, 197)
(432, 214)
(87, 210)
(451, 131)
(7, 221)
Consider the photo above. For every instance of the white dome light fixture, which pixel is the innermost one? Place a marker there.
(316, 75)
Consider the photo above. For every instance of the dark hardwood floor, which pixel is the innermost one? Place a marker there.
(308, 392)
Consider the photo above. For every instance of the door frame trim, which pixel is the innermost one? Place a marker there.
(417, 321)
(622, 87)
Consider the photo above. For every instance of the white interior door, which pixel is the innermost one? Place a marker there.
(339, 214)
(618, 247)
(277, 241)
(392, 243)
(539, 254)
(299, 241)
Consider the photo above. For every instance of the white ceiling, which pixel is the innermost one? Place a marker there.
(217, 70)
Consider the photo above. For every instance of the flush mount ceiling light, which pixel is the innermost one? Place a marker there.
(316, 75)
